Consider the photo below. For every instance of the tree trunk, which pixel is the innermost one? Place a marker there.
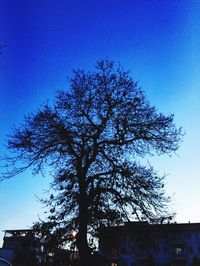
(82, 242)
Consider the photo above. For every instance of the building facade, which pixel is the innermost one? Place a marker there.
(28, 248)
(144, 244)
(21, 247)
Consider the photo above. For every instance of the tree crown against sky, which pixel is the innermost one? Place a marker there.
(91, 139)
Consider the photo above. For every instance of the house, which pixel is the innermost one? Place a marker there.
(21, 247)
(28, 248)
(144, 244)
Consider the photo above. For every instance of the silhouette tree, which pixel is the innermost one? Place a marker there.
(91, 139)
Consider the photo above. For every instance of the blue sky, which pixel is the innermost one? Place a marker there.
(158, 41)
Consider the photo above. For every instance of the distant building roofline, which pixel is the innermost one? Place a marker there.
(19, 233)
(19, 230)
(145, 225)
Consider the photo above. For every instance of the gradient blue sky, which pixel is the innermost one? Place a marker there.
(158, 41)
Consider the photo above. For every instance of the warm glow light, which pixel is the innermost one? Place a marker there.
(74, 234)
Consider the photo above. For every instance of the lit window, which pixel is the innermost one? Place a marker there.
(178, 251)
(113, 264)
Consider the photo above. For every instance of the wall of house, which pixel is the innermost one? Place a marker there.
(144, 244)
(6, 254)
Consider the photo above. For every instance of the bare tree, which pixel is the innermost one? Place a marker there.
(92, 139)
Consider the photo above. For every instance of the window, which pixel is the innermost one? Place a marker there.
(114, 251)
(178, 251)
(189, 250)
(10, 245)
(113, 264)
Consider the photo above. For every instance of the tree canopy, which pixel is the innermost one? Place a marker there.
(91, 140)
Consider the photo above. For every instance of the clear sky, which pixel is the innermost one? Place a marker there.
(158, 41)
